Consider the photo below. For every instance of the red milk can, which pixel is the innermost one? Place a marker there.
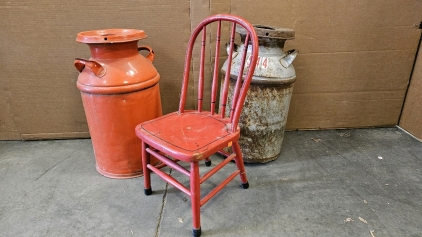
(119, 89)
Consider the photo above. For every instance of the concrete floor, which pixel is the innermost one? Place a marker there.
(362, 182)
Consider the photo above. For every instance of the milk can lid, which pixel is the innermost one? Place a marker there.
(110, 36)
(270, 32)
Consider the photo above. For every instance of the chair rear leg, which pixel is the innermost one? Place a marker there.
(208, 161)
(147, 172)
(240, 165)
(195, 198)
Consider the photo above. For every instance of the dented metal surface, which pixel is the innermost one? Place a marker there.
(264, 115)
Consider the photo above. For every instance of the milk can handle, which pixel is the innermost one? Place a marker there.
(150, 57)
(287, 59)
(97, 68)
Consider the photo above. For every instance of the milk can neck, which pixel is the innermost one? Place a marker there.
(113, 50)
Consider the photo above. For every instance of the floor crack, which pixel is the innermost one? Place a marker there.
(58, 163)
(163, 203)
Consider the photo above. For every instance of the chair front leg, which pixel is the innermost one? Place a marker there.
(195, 198)
(240, 165)
(147, 172)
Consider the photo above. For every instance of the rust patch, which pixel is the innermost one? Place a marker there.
(198, 156)
(263, 120)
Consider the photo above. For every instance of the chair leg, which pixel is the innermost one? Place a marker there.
(195, 198)
(240, 165)
(208, 161)
(147, 172)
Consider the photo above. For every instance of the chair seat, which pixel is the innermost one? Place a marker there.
(189, 136)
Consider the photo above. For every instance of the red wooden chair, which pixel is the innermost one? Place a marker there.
(192, 136)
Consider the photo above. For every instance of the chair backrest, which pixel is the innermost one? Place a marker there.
(245, 70)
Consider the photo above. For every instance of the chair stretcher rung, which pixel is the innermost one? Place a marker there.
(223, 153)
(219, 187)
(160, 165)
(217, 168)
(169, 179)
(169, 162)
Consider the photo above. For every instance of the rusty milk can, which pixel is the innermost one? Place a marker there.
(264, 115)
(119, 89)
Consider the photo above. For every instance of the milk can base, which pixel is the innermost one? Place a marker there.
(119, 176)
(264, 160)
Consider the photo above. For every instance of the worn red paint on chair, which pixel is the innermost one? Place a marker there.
(195, 135)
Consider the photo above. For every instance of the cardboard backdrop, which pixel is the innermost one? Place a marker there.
(411, 117)
(353, 69)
